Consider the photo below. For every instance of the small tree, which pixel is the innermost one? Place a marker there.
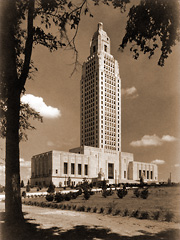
(141, 181)
(86, 194)
(104, 186)
(144, 193)
(51, 188)
(28, 188)
(22, 184)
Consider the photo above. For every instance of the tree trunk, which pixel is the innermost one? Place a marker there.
(13, 206)
(10, 91)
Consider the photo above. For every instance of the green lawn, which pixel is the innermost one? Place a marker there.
(162, 199)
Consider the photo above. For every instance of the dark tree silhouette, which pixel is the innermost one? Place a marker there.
(151, 25)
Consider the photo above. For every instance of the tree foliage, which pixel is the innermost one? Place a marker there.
(151, 25)
(26, 112)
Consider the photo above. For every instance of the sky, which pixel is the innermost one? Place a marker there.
(150, 99)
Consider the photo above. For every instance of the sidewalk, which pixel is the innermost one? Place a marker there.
(56, 224)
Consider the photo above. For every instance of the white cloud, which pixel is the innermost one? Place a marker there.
(167, 138)
(177, 165)
(24, 163)
(152, 140)
(38, 104)
(129, 92)
(158, 162)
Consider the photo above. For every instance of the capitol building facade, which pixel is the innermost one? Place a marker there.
(99, 156)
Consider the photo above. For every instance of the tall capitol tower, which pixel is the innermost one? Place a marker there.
(100, 114)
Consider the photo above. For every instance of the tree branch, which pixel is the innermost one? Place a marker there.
(28, 46)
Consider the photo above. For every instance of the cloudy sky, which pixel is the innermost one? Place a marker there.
(150, 99)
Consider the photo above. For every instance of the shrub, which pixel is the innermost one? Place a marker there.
(67, 197)
(169, 216)
(74, 195)
(51, 205)
(126, 212)
(48, 204)
(80, 191)
(144, 193)
(29, 203)
(88, 209)
(60, 206)
(137, 192)
(58, 197)
(55, 205)
(49, 197)
(104, 193)
(24, 194)
(144, 215)
(156, 215)
(120, 193)
(86, 195)
(22, 184)
(101, 210)
(91, 192)
(82, 208)
(69, 207)
(64, 207)
(28, 189)
(109, 210)
(135, 214)
(51, 188)
(117, 212)
(94, 209)
(74, 207)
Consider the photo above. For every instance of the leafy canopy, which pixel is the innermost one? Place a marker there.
(151, 25)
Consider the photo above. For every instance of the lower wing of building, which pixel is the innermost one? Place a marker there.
(90, 163)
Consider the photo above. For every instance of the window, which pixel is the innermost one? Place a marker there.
(72, 168)
(144, 173)
(139, 173)
(105, 48)
(86, 169)
(94, 49)
(151, 174)
(124, 174)
(110, 171)
(65, 167)
(56, 171)
(79, 169)
(147, 174)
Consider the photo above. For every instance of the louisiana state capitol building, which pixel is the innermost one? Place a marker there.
(101, 96)
(99, 156)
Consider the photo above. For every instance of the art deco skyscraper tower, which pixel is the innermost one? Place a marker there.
(100, 96)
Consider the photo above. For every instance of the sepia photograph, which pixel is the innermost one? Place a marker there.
(90, 119)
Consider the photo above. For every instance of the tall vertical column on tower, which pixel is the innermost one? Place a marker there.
(100, 113)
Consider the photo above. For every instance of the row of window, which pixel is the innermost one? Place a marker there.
(108, 69)
(90, 64)
(73, 169)
(108, 64)
(148, 174)
(109, 58)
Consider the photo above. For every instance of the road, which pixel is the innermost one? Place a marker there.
(58, 224)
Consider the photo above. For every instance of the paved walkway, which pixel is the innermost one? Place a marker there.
(56, 224)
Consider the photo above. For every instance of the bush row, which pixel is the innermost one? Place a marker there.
(168, 216)
(59, 197)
